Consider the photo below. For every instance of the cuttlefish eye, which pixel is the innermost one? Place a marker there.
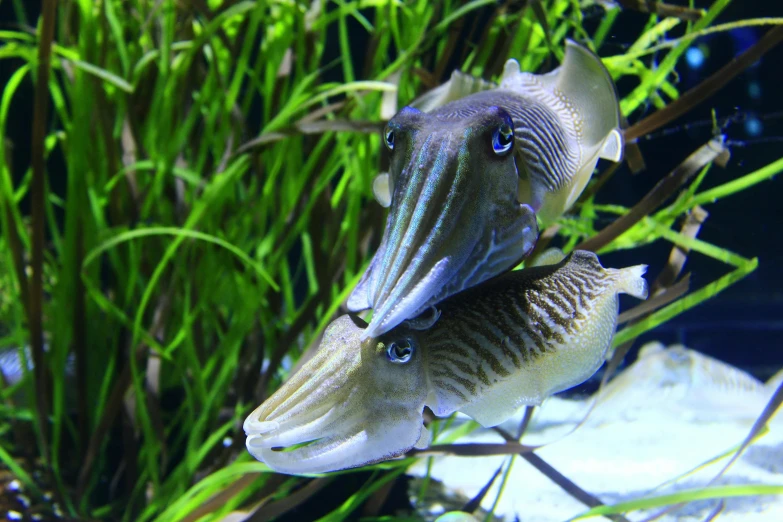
(389, 135)
(503, 139)
(400, 352)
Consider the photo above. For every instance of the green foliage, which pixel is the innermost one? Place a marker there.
(219, 159)
(715, 492)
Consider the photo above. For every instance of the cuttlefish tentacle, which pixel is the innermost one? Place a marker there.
(424, 321)
(341, 406)
(468, 177)
(509, 342)
(447, 227)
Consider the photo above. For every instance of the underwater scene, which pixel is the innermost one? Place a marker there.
(391, 260)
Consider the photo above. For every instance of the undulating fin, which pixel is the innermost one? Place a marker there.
(458, 86)
(518, 339)
(389, 98)
(550, 256)
(582, 95)
(381, 189)
(359, 298)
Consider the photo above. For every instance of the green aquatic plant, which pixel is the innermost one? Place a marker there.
(198, 205)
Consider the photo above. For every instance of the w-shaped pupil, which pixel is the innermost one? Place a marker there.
(502, 139)
(400, 352)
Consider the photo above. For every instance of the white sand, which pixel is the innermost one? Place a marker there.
(627, 455)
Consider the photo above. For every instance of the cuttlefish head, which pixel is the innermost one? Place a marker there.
(454, 219)
(354, 403)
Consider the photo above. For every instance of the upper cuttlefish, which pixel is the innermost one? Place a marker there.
(472, 166)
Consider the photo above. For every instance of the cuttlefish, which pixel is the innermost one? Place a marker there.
(496, 347)
(469, 173)
(682, 381)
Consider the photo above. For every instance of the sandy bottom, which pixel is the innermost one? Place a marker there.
(621, 459)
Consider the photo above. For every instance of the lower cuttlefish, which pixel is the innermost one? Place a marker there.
(496, 347)
(472, 167)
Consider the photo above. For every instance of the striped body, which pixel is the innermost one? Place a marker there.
(464, 207)
(547, 148)
(564, 121)
(511, 341)
(498, 346)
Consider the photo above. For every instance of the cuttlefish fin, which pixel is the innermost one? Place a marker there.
(360, 297)
(458, 86)
(582, 94)
(612, 149)
(550, 256)
(631, 282)
(382, 189)
(581, 356)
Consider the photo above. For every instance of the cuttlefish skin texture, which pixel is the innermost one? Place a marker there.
(510, 342)
(454, 220)
(462, 207)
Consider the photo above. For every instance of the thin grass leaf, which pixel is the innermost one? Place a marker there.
(684, 304)
(652, 82)
(707, 87)
(20, 473)
(104, 75)
(38, 197)
(355, 500)
(660, 193)
(180, 233)
(691, 495)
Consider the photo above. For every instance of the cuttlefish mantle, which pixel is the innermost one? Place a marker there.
(472, 167)
(510, 342)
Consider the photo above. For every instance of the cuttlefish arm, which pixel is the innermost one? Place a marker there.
(470, 169)
(350, 405)
(496, 347)
(454, 219)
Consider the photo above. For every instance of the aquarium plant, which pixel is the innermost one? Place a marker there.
(186, 201)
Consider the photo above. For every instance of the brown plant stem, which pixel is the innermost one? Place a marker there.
(38, 191)
(674, 11)
(663, 190)
(706, 88)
